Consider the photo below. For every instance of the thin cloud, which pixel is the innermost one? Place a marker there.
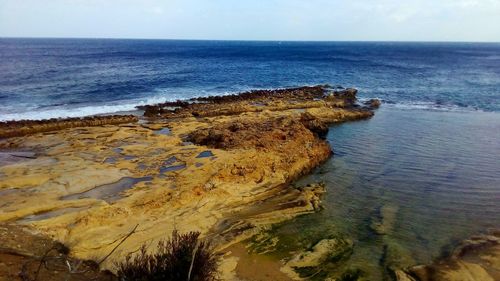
(429, 20)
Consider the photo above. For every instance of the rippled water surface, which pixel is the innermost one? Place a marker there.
(417, 180)
(432, 177)
(44, 78)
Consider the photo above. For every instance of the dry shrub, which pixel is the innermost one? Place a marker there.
(173, 260)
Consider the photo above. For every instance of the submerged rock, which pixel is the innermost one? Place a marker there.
(400, 275)
(292, 202)
(475, 259)
(384, 221)
(309, 263)
(327, 249)
(395, 257)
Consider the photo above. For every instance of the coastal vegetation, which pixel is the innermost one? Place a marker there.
(181, 257)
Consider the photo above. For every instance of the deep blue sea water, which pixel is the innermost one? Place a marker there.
(42, 78)
(427, 164)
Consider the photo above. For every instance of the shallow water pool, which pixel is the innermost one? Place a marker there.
(412, 182)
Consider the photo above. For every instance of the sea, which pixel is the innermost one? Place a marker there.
(47, 78)
(426, 166)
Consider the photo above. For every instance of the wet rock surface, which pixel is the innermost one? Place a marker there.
(261, 141)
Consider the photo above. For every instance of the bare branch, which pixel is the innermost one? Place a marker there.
(121, 242)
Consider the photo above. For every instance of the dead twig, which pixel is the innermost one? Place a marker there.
(23, 156)
(192, 260)
(24, 271)
(116, 247)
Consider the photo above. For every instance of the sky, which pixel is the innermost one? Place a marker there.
(311, 20)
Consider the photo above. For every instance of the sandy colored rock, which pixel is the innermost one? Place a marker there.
(475, 259)
(319, 253)
(324, 251)
(223, 169)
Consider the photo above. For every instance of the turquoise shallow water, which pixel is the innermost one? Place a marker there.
(431, 177)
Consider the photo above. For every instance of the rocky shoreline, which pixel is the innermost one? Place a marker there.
(29, 127)
(218, 165)
(71, 189)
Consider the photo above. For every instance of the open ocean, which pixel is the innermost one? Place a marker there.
(44, 78)
(428, 162)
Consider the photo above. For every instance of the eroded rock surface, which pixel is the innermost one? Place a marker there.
(252, 146)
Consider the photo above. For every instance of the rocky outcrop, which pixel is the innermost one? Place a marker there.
(225, 105)
(270, 134)
(342, 97)
(254, 101)
(347, 94)
(315, 125)
(373, 103)
(28, 127)
(224, 169)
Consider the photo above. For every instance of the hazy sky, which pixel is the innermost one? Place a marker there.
(415, 20)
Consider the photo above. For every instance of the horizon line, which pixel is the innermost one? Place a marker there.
(245, 40)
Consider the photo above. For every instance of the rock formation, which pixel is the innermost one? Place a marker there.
(373, 103)
(224, 169)
(308, 263)
(28, 127)
(475, 259)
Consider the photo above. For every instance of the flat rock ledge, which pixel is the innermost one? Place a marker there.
(218, 165)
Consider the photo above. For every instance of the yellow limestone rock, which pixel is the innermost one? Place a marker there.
(224, 170)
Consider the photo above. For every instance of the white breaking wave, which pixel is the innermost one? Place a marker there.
(65, 113)
(68, 112)
(430, 106)
(90, 110)
(125, 106)
(421, 105)
(130, 105)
